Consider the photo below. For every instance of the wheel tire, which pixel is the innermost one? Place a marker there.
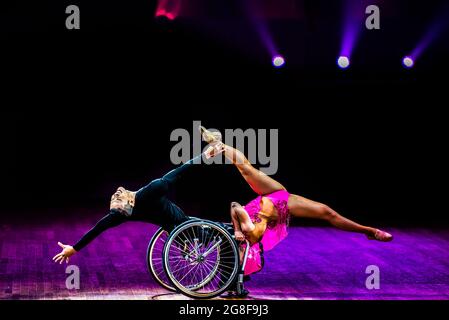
(234, 258)
(158, 271)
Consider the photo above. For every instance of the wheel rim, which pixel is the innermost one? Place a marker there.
(155, 259)
(201, 259)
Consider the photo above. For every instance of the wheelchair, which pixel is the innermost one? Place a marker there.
(199, 258)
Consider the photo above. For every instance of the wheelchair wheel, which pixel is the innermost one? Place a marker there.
(201, 259)
(154, 259)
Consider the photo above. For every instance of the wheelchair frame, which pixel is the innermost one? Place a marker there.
(158, 257)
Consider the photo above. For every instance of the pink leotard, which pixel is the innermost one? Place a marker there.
(276, 230)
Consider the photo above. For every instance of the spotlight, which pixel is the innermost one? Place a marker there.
(343, 62)
(408, 62)
(278, 61)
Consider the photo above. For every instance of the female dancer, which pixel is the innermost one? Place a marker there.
(264, 220)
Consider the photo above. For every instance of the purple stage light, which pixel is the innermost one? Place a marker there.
(264, 34)
(278, 61)
(408, 62)
(434, 32)
(431, 35)
(343, 62)
(353, 15)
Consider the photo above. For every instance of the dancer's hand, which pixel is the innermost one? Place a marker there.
(65, 254)
(239, 236)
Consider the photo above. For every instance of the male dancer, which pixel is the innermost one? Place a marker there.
(149, 204)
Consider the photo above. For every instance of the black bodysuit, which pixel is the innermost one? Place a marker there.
(151, 205)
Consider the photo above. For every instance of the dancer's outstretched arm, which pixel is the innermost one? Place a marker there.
(111, 220)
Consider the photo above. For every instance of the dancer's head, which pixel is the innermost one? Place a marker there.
(122, 200)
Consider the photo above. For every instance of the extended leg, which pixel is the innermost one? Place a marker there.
(258, 181)
(160, 187)
(175, 174)
(305, 208)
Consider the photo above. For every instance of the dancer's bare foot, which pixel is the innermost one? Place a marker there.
(380, 236)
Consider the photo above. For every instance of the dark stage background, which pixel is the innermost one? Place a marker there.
(86, 111)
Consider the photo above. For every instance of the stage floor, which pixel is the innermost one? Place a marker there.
(312, 263)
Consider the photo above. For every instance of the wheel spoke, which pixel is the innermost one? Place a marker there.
(202, 259)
